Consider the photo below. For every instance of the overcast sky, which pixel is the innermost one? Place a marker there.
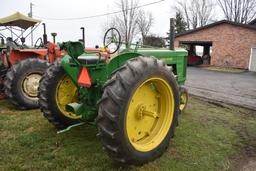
(70, 30)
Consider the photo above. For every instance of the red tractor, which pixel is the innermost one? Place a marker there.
(22, 66)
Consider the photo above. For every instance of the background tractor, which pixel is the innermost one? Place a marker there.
(22, 66)
(133, 98)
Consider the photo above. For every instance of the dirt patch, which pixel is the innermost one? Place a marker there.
(246, 160)
(250, 166)
(243, 163)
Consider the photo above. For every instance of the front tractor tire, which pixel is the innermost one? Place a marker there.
(183, 99)
(22, 81)
(2, 76)
(56, 90)
(138, 111)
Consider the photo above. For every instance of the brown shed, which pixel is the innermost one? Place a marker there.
(231, 42)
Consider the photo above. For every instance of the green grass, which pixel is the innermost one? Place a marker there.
(208, 138)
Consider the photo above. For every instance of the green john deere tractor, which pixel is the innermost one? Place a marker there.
(134, 98)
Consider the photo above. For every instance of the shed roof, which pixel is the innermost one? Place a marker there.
(217, 24)
(19, 20)
(253, 22)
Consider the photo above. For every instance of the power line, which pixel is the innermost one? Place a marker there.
(99, 15)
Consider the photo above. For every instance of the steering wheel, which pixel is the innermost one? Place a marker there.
(112, 40)
(40, 43)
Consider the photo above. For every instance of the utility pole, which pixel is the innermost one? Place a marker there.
(30, 14)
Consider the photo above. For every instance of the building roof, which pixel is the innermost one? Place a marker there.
(217, 24)
(253, 22)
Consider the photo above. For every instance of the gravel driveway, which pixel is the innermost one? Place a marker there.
(234, 88)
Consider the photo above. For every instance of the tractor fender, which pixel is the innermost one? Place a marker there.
(17, 55)
(120, 60)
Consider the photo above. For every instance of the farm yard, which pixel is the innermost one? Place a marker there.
(210, 137)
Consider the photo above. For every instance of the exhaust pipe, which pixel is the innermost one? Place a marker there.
(172, 33)
(53, 36)
(44, 35)
(83, 35)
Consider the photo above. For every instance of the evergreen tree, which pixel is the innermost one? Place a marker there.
(153, 40)
(180, 25)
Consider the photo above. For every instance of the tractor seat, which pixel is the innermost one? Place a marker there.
(90, 59)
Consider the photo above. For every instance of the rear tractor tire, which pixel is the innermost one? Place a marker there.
(56, 90)
(138, 111)
(22, 81)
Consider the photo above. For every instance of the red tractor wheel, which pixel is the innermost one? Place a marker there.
(22, 81)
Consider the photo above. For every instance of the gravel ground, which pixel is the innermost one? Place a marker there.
(233, 88)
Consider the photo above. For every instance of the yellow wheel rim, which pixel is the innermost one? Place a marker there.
(183, 101)
(150, 114)
(66, 92)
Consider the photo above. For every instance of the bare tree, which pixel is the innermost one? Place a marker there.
(196, 13)
(106, 25)
(182, 8)
(126, 21)
(145, 22)
(241, 11)
(205, 12)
